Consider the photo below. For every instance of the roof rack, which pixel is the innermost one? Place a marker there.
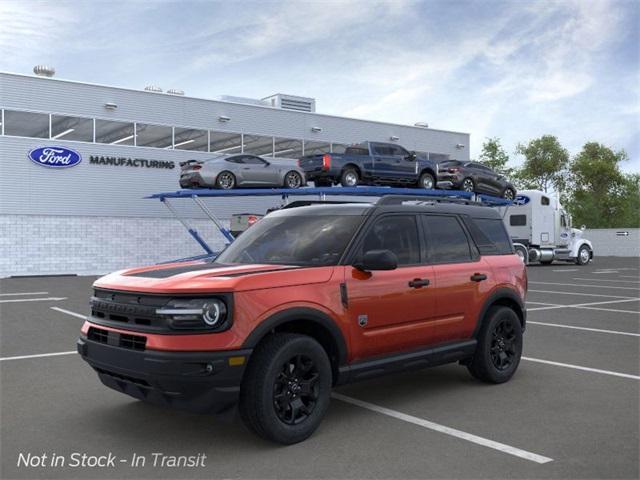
(389, 196)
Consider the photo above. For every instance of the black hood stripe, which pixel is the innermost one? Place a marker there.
(170, 272)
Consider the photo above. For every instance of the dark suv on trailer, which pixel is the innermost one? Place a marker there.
(474, 177)
(309, 298)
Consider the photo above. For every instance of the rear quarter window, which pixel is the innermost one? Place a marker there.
(490, 235)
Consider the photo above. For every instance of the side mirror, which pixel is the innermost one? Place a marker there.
(412, 156)
(377, 260)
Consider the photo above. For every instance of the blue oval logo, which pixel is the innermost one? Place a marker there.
(55, 157)
(521, 200)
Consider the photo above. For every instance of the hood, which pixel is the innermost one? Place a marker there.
(206, 277)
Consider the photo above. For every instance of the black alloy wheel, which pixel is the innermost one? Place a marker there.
(509, 194)
(468, 185)
(296, 390)
(293, 180)
(503, 345)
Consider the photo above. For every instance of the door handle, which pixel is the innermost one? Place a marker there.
(478, 277)
(419, 282)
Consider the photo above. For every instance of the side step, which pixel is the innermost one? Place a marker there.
(400, 362)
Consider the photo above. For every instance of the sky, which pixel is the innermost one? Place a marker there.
(514, 70)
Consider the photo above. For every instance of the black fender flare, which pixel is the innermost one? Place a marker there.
(498, 295)
(296, 314)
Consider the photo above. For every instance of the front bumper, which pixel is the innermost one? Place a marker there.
(449, 181)
(201, 382)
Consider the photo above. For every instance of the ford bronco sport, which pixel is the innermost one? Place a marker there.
(310, 298)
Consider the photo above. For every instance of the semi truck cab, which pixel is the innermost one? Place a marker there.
(541, 230)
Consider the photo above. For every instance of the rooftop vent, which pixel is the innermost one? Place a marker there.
(153, 88)
(44, 71)
(175, 91)
(421, 124)
(291, 102)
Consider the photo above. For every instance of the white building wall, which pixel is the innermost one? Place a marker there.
(612, 241)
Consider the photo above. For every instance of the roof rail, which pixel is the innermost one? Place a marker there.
(424, 199)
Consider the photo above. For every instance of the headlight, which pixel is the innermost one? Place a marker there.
(195, 314)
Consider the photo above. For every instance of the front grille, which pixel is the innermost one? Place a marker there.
(119, 376)
(116, 339)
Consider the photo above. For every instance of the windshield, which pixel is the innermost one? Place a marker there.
(314, 240)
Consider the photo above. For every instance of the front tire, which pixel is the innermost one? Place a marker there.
(499, 349)
(508, 194)
(226, 180)
(286, 389)
(427, 181)
(584, 255)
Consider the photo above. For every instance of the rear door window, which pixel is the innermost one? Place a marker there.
(493, 230)
(447, 241)
(397, 233)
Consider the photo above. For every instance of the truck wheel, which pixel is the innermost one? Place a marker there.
(522, 252)
(349, 178)
(226, 180)
(499, 346)
(584, 255)
(427, 181)
(285, 390)
(468, 185)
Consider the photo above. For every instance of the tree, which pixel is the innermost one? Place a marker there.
(600, 195)
(494, 156)
(545, 163)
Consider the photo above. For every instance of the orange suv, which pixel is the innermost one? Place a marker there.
(309, 298)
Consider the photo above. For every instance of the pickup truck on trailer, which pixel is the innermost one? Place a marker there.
(371, 163)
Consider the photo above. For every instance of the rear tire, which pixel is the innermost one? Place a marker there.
(509, 194)
(427, 181)
(286, 389)
(225, 180)
(468, 185)
(349, 178)
(497, 355)
(292, 180)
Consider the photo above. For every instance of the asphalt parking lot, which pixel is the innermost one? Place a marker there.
(571, 411)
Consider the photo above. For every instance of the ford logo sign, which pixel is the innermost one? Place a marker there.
(521, 200)
(55, 157)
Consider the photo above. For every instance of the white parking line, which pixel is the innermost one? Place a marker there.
(73, 314)
(604, 280)
(586, 286)
(485, 442)
(585, 305)
(40, 355)
(597, 330)
(48, 299)
(628, 276)
(579, 367)
(23, 293)
(567, 270)
(633, 312)
(605, 272)
(582, 294)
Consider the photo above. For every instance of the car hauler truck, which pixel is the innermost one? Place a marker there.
(541, 230)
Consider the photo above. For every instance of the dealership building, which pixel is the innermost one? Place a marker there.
(92, 217)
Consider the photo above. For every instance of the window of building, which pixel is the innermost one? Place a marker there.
(114, 133)
(26, 124)
(225, 142)
(258, 145)
(397, 233)
(518, 220)
(190, 139)
(157, 136)
(446, 240)
(438, 157)
(315, 148)
(71, 128)
(287, 148)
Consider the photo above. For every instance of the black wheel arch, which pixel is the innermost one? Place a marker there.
(306, 321)
(502, 297)
(352, 166)
(430, 171)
